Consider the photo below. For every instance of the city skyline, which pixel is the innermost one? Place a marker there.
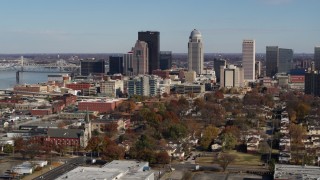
(111, 26)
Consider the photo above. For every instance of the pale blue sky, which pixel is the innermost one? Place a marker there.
(111, 26)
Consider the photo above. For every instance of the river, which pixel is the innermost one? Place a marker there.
(8, 78)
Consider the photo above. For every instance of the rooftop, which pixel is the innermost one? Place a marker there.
(295, 172)
(117, 169)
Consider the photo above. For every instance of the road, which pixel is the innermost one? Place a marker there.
(216, 167)
(68, 166)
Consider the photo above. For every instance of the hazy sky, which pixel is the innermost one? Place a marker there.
(111, 26)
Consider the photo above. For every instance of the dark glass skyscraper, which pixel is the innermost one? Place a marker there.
(115, 65)
(165, 60)
(153, 40)
(272, 60)
(312, 84)
(216, 65)
(88, 67)
(285, 60)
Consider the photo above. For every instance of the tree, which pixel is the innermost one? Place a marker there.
(302, 110)
(112, 152)
(224, 159)
(175, 132)
(264, 147)
(163, 157)
(8, 148)
(297, 132)
(218, 95)
(19, 143)
(229, 141)
(209, 134)
(213, 113)
(111, 128)
(61, 124)
(234, 130)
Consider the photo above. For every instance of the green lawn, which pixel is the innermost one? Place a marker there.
(242, 159)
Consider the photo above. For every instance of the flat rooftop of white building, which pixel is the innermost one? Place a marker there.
(117, 169)
(294, 172)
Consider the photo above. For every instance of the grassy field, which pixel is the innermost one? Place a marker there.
(242, 159)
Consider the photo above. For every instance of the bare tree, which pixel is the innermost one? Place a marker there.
(224, 159)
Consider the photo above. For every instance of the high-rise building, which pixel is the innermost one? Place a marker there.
(140, 58)
(312, 84)
(195, 52)
(258, 69)
(272, 60)
(88, 67)
(153, 40)
(216, 65)
(317, 57)
(127, 64)
(285, 60)
(143, 85)
(111, 88)
(115, 65)
(248, 59)
(231, 76)
(165, 60)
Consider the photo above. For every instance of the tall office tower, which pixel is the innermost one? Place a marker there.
(216, 65)
(165, 60)
(153, 40)
(285, 60)
(195, 52)
(231, 76)
(272, 60)
(258, 69)
(140, 58)
(127, 64)
(115, 65)
(88, 67)
(312, 83)
(249, 59)
(317, 57)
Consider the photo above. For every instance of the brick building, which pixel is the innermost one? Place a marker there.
(101, 105)
(68, 99)
(66, 137)
(41, 111)
(30, 88)
(161, 73)
(78, 86)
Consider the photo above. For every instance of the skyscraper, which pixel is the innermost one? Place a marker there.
(285, 60)
(272, 60)
(115, 65)
(195, 52)
(88, 67)
(217, 63)
(153, 40)
(312, 83)
(140, 58)
(248, 59)
(127, 64)
(165, 60)
(317, 57)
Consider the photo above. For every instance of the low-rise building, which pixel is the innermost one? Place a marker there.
(117, 169)
(41, 111)
(100, 105)
(36, 88)
(295, 172)
(188, 88)
(67, 137)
